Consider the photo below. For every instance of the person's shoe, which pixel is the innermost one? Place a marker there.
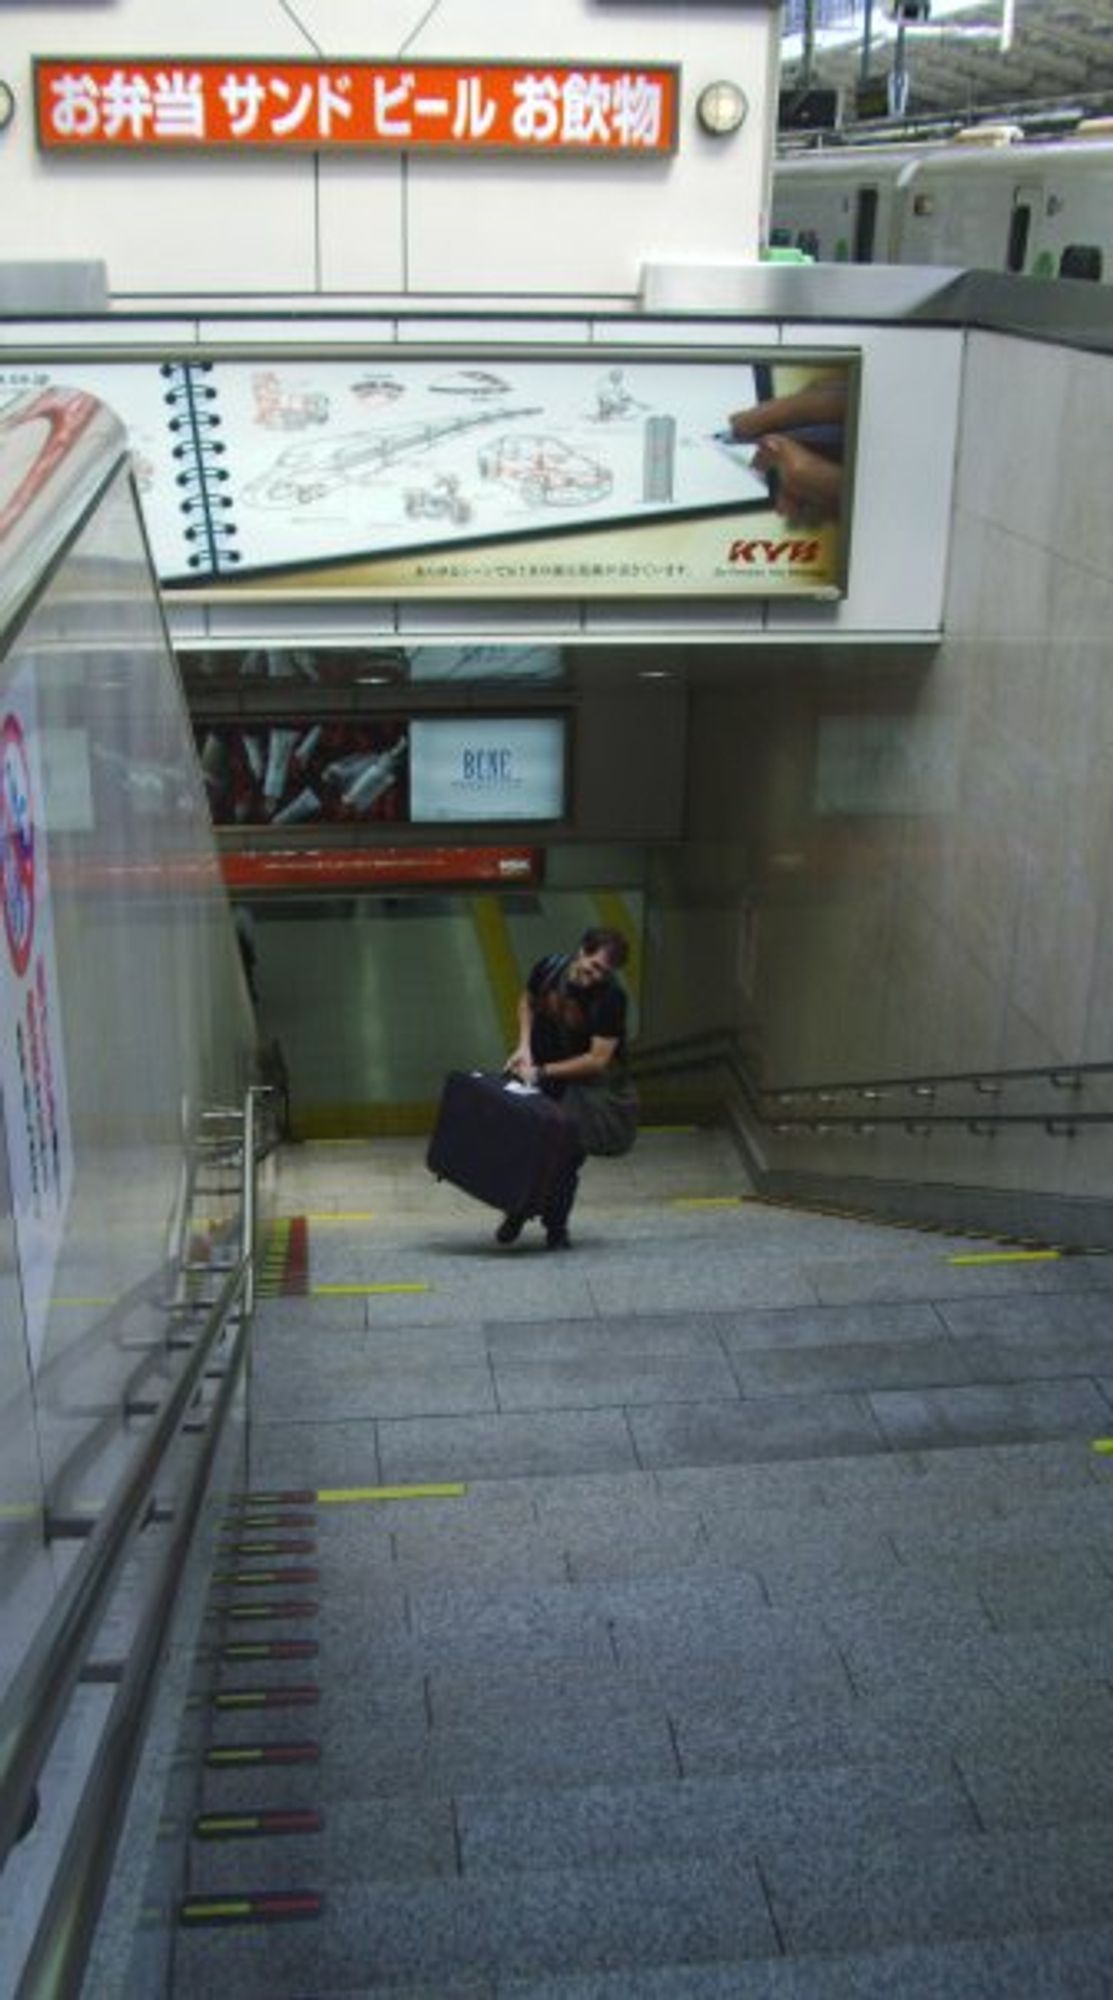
(510, 1228)
(557, 1239)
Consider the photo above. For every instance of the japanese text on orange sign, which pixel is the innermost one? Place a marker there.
(176, 103)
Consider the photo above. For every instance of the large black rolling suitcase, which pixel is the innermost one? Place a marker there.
(504, 1145)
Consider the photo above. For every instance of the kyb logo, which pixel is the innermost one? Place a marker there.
(760, 553)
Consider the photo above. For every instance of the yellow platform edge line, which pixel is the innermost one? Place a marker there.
(707, 1201)
(1005, 1257)
(362, 1291)
(343, 1215)
(351, 1496)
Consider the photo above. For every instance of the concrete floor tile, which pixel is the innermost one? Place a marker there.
(962, 1886)
(878, 1323)
(511, 1445)
(604, 1381)
(911, 1419)
(764, 1427)
(850, 1366)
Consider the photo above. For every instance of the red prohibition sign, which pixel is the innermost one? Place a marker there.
(17, 844)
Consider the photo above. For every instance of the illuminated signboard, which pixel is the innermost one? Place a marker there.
(487, 768)
(346, 772)
(181, 103)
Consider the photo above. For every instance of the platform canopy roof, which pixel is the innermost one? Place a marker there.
(1046, 61)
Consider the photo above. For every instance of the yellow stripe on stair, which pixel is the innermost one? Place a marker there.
(343, 1215)
(707, 1201)
(353, 1496)
(362, 1291)
(1006, 1257)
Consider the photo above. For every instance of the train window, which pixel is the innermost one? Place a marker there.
(1020, 223)
(865, 225)
(1081, 260)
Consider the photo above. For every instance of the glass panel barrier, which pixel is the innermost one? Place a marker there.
(124, 1017)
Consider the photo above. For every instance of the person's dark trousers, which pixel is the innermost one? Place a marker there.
(558, 1208)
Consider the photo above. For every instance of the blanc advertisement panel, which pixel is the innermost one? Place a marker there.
(615, 474)
(467, 768)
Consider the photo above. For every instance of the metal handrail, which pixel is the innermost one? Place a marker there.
(1059, 1075)
(35, 1702)
(55, 1964)
(721, 1045)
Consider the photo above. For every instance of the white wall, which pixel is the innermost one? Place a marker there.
(237, 225)
(927, 834)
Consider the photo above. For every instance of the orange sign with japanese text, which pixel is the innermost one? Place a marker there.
(371, 867)
(183, 103)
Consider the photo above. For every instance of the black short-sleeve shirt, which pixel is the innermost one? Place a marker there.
(566, 1018)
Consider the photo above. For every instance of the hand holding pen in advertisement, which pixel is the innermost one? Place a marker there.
(799, 440)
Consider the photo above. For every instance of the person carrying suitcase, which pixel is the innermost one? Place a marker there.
(572, 1025)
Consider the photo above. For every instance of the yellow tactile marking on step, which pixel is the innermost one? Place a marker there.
(344, 1215)
(354, 1496)
(1005, 1257)
(707, 1201)
(362, 1291)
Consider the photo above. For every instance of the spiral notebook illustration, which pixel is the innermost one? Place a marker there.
(204, 501)
(403, 471)
(176, 448)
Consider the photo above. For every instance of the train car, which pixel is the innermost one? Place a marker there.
(987, 202)
(843, 205)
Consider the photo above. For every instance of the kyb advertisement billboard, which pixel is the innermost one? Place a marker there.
(490, 475)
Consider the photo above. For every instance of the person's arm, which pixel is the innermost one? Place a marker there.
(576, 1069)
(820, 403)
(520, 1059)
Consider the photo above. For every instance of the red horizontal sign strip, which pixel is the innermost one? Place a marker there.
(171, 103)
(321, 868)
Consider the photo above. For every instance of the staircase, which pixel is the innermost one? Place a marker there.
(725, 1608)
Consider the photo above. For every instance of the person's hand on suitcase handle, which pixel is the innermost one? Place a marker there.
(521, 1067)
